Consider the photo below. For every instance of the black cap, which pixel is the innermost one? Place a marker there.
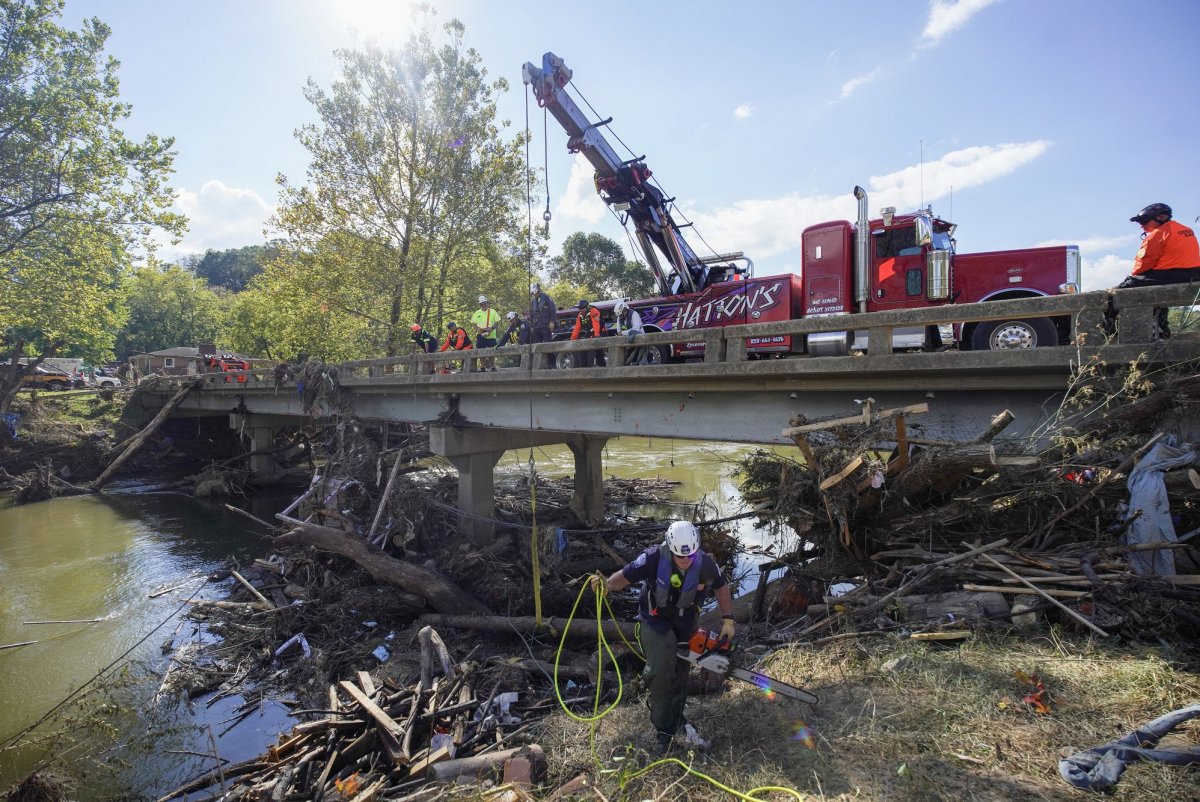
(452, 325)
(583, 304)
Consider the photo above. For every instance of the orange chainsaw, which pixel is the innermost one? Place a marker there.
(709, 652)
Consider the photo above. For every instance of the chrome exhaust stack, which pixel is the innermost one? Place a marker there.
(861, 251)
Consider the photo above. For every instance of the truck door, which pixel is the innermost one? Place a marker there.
(897, 269)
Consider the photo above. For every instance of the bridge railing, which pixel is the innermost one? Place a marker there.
(1086, 313)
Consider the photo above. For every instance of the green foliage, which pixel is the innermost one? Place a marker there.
(169, 307)
(77, 196)
(232, 268)
(413, 205)
(63, 158)
(63, 292)
(597, 265)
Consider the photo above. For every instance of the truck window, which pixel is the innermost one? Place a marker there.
(896, 242)
(914, 282)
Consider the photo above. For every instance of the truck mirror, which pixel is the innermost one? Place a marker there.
(924, 229)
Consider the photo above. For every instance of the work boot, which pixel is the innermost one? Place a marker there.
(662, 742)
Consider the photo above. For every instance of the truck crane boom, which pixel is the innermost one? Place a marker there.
(625, 186)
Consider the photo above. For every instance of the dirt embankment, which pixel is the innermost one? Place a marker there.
(73, 436)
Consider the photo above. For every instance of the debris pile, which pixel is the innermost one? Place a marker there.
(993, 529)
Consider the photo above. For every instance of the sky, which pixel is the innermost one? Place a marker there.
(1026, 122)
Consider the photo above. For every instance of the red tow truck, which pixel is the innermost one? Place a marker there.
(894, 261)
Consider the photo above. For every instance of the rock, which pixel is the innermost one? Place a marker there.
(899, 664)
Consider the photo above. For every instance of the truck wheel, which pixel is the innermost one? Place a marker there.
(58, 386)
(1009, 335)
(567, 360)
(658, 354)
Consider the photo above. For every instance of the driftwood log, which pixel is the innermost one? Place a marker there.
(440, 593)
(140, 438)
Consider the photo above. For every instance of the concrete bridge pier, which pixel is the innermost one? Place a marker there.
(587, 501)
(474, 452)
(260, 431)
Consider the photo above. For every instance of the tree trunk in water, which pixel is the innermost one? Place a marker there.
(441, 594)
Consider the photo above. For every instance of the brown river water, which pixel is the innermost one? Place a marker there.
(99, 557)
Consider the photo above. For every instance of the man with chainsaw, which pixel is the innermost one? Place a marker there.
(676, 578)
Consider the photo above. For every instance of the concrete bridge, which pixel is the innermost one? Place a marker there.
(475, 416)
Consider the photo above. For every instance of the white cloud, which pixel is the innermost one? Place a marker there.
(1104, 272)
(959, 169)
(1102, 268)
(947, 16)
(580, 201)
(219, 216)
(767, 227)
(743, 111)
(852, 86)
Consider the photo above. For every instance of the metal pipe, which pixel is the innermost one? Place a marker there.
(861, 251)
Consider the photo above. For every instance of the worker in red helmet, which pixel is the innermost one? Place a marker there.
(423, 340)
(1169, 254)
(676, 578)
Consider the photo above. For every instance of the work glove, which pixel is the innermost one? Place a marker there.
(629, 335)
(599, 582)
(728, 630)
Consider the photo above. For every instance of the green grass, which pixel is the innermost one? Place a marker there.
(948, 724)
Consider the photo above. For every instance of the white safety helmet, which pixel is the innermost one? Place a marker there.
(483, 299)
(621, 306)
(510, 316)
(682, 539)
(535, 289)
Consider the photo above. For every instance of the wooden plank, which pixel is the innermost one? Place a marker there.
(939, 635)
(252, 589)
(419, 768)
(1065, 594)
(914, 409)
(373, 710)
(368, 686)
(1046, 595)
(842, 474)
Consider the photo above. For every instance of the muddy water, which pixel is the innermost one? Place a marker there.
(100, 557)
(83, 558)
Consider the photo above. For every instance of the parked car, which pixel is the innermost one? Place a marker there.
(46, 378)
(100, 380)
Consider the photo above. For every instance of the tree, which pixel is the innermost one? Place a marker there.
(412, 206)
(77, 196)
(232, 268)
(598, 265)
(169, 307)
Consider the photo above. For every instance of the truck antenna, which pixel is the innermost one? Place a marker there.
(922, 173)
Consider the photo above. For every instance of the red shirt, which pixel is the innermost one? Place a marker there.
(1169, 246)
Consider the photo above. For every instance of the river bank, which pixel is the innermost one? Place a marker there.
(1034, 673)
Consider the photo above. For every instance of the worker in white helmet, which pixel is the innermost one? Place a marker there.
(484, 323)
(676, 578)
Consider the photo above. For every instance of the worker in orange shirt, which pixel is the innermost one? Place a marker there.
(1169, 255)
(587, 326)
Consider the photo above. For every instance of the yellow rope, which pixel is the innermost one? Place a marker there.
(602, 649)
(535, 557)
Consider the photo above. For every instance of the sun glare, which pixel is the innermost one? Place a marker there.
(383, 20)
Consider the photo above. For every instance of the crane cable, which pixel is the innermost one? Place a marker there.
(534, 546)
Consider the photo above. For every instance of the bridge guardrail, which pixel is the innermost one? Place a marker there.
(1086, 311)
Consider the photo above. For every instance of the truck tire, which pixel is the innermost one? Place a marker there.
(56, 385)
(565, 360)
(1011, 335)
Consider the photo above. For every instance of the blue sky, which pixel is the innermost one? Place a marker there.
(1036, 122)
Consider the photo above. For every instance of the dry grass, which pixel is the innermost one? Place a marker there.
(947, 724)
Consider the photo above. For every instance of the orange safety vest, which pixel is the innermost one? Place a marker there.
(1167, 247)
(457, 340)
(594, 314)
